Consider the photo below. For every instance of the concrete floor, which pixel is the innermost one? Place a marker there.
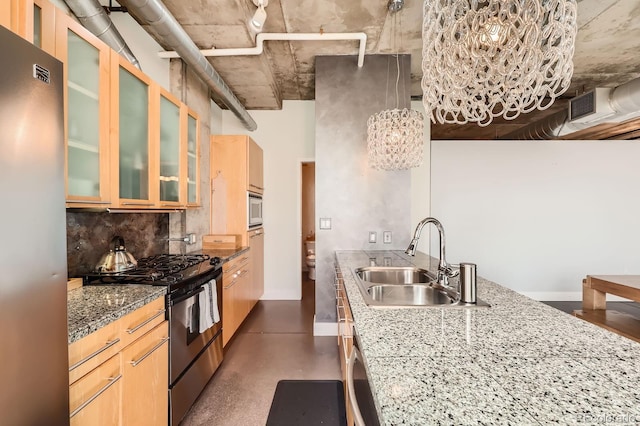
(275, 342)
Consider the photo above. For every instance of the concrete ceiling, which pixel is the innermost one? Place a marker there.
(607, 48)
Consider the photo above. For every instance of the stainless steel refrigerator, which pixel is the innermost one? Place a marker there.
(33, 261)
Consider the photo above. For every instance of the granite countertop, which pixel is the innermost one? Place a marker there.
(518, 362)
(225, 254)
(91, 307)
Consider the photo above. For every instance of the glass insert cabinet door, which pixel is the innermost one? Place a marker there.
(87, 118)
(192, 159)
(83, 115)
(133, 135)
(169, 149)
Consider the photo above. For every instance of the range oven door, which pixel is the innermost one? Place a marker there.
(193, 356)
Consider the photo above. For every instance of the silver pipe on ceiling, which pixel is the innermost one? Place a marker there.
(93, 17)
(623, 101)
(543, 129)
(156, 14)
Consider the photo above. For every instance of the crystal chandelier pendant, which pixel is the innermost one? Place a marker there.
(395, 136)
(394, 139)
(488, 58)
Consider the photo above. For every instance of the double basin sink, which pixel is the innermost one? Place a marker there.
(404, 287)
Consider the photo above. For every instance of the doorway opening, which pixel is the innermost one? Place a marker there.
(308, 230)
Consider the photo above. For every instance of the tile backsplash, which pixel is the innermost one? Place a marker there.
(89, 235)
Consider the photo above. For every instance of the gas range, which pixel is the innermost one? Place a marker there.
(172, 270)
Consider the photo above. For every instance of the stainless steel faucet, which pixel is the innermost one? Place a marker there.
(444, 269)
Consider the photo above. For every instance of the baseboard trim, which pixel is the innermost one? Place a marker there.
(565, 296)
(324, 328)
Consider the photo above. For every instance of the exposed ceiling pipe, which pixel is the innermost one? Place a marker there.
(155, 13)
(545, 128)
(262, 37)
(93, 17)
(623, 102)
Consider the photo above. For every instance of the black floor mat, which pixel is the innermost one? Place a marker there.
(308, 402)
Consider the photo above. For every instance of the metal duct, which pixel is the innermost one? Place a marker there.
(546, 128)
(624, 100)
(94, 18)
(155, 13)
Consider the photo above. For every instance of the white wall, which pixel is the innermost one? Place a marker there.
(287, 137)
(144, 48)
(538, 216)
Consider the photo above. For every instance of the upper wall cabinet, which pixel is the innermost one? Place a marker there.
(255, 169)
(240, 156)
(87, 113)
(40, 28)
(171, 147)
(192, 180)
(131, 135)
(33, 20)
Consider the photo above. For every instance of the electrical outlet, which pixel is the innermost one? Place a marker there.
(190, 239)
(373, 236)
(386, 237)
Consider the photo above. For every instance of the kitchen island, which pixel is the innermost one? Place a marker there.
(517, 362)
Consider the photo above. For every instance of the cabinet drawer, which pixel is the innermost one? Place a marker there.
(233, 265)
(140, 321)
(146, 379)
(94, 349)
(95, 397)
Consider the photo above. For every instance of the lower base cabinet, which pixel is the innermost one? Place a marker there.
(345, 337)
(93, 397)
(145, 366)
(236, 295)
(119, 375)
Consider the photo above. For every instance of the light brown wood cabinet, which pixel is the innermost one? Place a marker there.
(32, 20)
(345, 335)
(241, 158)
(236, 168)
(256, 249)
(127, 360)
(129, 143)
(94, 398)
(87, 119)
(5, 14)
(236, 293)
(255, 171)
(145, 366)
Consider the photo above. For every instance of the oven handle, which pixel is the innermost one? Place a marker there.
(186, 296)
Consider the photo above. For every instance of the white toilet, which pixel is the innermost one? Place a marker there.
(311, 258)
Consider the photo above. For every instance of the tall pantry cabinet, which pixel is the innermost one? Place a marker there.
(237, 172)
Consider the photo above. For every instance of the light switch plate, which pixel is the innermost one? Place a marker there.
(325, 223)
(386, 237)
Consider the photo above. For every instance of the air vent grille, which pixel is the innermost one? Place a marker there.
(582, 106)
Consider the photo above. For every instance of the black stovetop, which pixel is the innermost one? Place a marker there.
(162, 270)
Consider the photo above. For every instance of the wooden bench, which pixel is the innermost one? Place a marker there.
(594, 303)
